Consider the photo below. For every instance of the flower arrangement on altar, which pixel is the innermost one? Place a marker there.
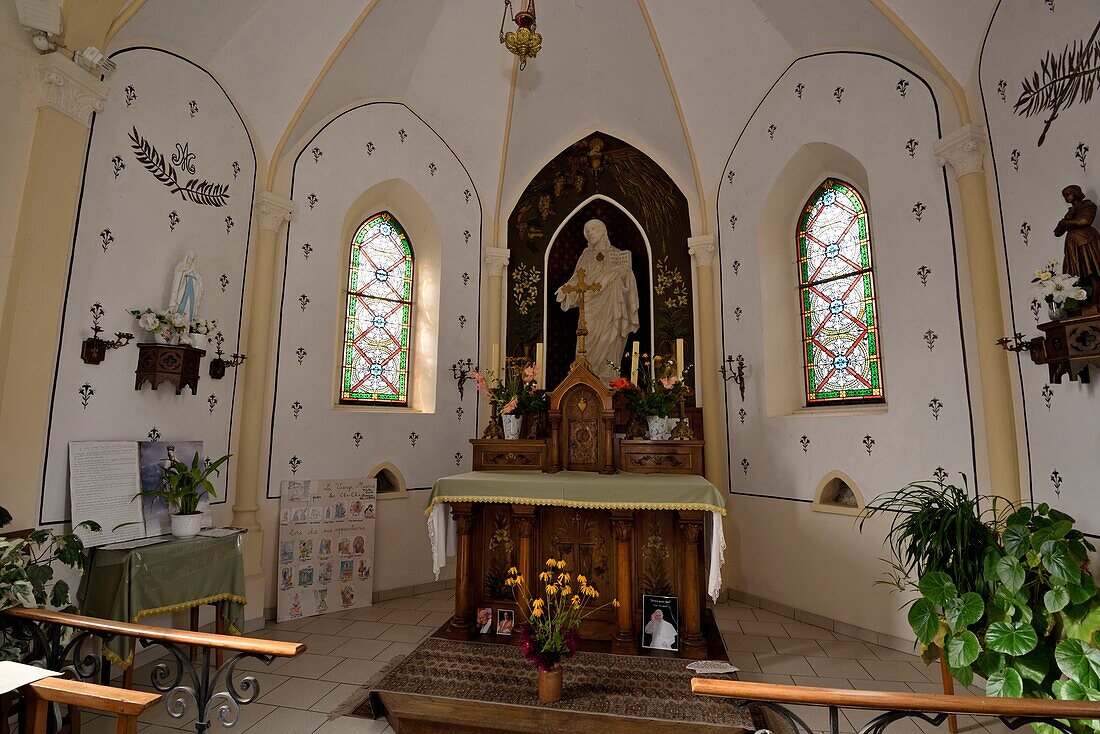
(517, 394)
(655, 394)
(165, 324)
(552, 617)
(1061, 291)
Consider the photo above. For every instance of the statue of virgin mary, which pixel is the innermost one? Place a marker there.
(611, 313)
(186, 288)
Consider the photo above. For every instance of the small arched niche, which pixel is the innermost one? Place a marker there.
(391, 482)
(783, 373)
(839, 494)
(409, 208)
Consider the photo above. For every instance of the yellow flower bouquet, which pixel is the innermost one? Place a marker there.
(553, 612)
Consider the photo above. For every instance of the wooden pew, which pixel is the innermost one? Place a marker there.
(125, 705)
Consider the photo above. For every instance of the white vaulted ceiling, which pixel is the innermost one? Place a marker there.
(291, 65)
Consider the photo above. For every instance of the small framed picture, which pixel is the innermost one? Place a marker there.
(662, 623)
(484, 620)
(506, 620)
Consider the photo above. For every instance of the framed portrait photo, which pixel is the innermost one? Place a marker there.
(506, 620)
(484, 620)
(661, 623)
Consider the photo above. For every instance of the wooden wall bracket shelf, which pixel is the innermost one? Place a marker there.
(1069, 346)
(173, 363)
(498, 453)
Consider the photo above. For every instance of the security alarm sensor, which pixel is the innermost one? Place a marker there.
(39, 15)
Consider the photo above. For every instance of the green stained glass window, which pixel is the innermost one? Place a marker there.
(837, 296)
(377, 327)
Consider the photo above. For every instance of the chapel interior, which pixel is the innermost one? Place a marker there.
(714, 331)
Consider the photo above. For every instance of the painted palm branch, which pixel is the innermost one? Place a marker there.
(194, 190)
(1062, 80)
(641, 181)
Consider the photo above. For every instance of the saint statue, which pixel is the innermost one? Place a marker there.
(1082, 255)
(611, 312)
(186, 288)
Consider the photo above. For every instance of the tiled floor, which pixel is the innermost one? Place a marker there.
(347, 648)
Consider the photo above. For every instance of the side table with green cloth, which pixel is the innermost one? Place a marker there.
(128, 585)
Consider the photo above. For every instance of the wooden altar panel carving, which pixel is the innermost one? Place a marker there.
(582, 421)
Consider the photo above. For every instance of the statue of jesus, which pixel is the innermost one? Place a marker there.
(611, 313)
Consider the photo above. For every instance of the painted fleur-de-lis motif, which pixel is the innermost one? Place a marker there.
(918, 210)
(219, 340)
(902, 86)
(1036, 307)
(312, 199)
(771, 131)
(1056, 480)
(467, 194)
(402, 134)
(745, 466)
(296, 409)
(224, 281)
(118, 165)
(729, 176)
(1080, 154)
(466, 235)
(106, 238)
(307, 249)
(742, 414)
(805, 442)
(1015, 158)
(462, 321)
(799, 88)
(459, 412)
(97, 313)
(357, 438)
(295, 464)
(131, 94)
(458, 458)
(1050, 5)
(173, 220)
(868, 443)
(370, 147)
(229, 224)
(212, 402)
(317, 153)
(303, 301)
(1048, 395)
(911, 146)
(301, 353)
(236, 169)
(86, 393)
(737, 313)
(838, 94)
(413, 438)
(940, 475)
(432, 168)
(923, 272)
(193, 107)
(733, 221)
(1002, 87)
(936, 405)
(154, 434)
(930, 338)
(1025, 232)
(736, 265)
(465, 279)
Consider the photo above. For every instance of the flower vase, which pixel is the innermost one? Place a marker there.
(1057, 312)
(167, 335)
(659, 429)
(511, 423)
(550, 685)
(198, 341)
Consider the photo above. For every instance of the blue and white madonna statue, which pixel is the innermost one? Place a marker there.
(186, 288)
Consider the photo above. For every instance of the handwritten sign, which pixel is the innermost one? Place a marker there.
(326, 546)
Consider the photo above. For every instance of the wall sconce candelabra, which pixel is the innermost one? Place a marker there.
(729, 372)
(1015, 343)
(461, 371)
(94, 349)
(219, 364)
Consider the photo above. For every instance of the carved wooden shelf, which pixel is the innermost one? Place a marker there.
(1069, 346)
(498, 453)
(173, 363)
(640, 456)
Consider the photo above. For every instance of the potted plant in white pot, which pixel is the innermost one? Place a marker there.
(183, 487)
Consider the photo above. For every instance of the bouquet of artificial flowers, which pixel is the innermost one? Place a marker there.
(517, 394)
(160, 320)
(205, 327)
(1059, 290)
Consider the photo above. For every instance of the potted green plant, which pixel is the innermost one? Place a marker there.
(183, 487)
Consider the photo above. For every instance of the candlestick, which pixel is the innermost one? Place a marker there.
(635, 353)
(679, 359)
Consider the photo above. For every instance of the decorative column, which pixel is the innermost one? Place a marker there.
(703, 249)
(495, 260)
(272, 213)
(524, 518)
(463, 514)
(625, 641)
(964, 149)
(693, 644)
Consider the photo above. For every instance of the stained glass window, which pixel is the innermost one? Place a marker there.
(837, 294)
(379, 314)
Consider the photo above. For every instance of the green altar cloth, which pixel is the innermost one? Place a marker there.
(581, 489)
(128, 585)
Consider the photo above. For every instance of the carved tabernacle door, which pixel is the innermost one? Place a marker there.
(582, 422)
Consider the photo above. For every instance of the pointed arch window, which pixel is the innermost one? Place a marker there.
(837, 295)
(377, 328)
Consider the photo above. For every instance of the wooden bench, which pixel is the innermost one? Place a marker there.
(125, 705)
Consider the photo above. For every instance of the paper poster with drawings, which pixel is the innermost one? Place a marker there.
(326, 546)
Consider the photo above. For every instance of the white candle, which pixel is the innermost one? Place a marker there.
(539, 357)
(494, 362)
(679, 358)
(634, 355)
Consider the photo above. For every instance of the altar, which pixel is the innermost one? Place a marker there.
(631, 534)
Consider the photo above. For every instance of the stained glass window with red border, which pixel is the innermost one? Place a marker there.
(837, 296)
(377, 330)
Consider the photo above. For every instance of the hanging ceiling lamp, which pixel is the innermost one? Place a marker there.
(524, 42)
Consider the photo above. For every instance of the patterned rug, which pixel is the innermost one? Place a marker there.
(617, 685)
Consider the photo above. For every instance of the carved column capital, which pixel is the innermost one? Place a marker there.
(69, 89)
(702, 250)
(963, 149)
(273, 211)
(496, 260)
